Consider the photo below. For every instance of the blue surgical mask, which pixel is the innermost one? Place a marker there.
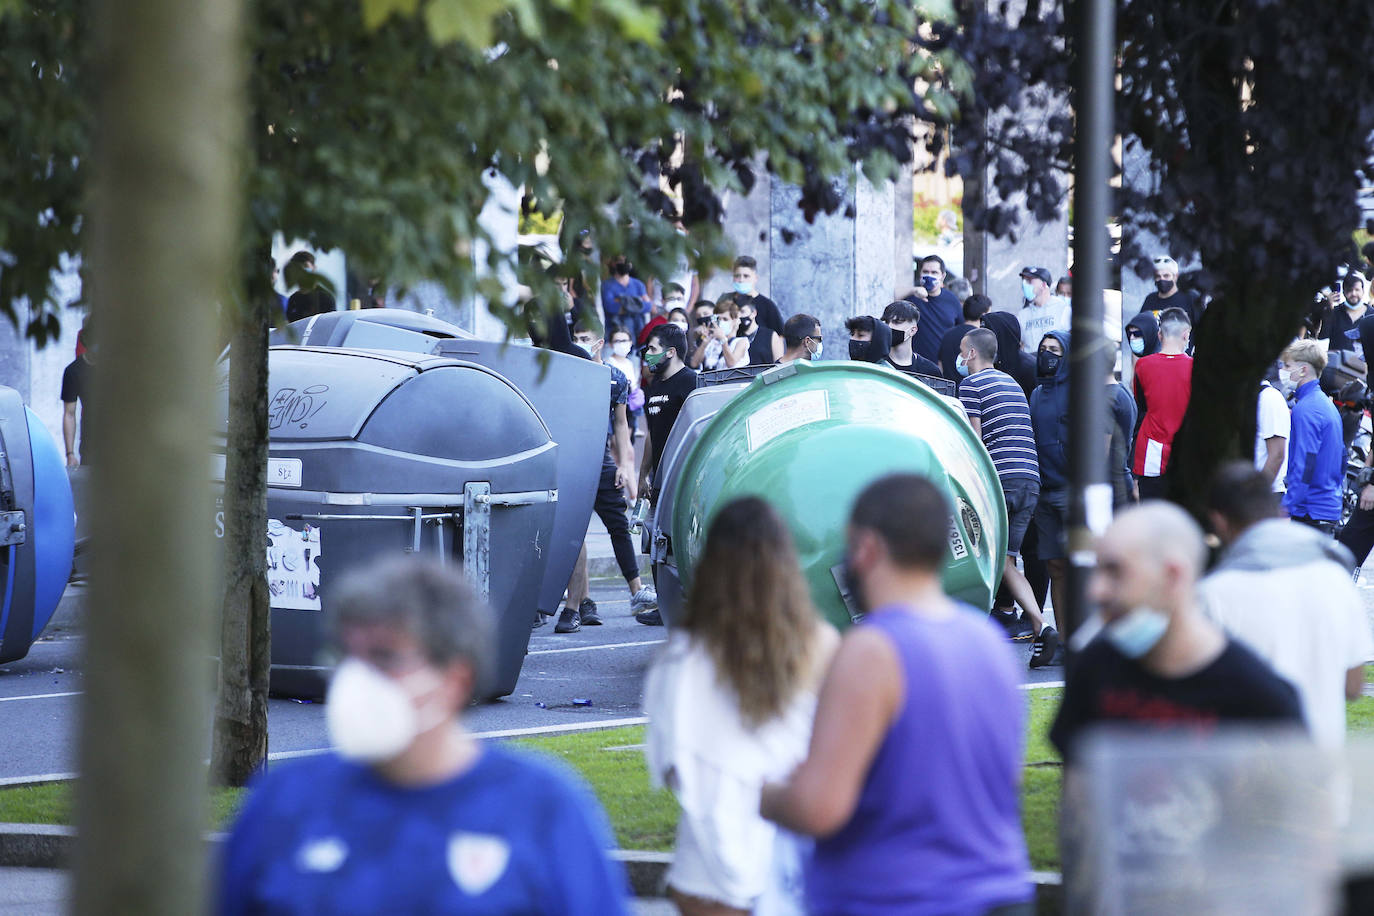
(1027, 291)
(1137, 345)
(1136, 633)
(961, 365)
(744, 289)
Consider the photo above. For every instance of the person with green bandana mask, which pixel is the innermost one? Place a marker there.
(670, 381)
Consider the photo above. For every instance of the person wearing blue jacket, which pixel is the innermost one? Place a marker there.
(1316, 447)
(1049, 410)
(411, 813)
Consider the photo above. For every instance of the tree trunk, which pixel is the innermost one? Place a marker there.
(240, 733)
(163, 228)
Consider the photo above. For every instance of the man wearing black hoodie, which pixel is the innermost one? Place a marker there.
(1011, 359)
(1142, 335)
(869, 339)
(1049, 410)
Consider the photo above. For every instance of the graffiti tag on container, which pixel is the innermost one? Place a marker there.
(295, 406)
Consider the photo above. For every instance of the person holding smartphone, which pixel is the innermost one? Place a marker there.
(722, 346)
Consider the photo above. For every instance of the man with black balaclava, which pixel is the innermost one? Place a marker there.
(869, 339)
(1049, 410)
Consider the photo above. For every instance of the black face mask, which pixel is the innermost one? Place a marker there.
(898, 336)
(1164, 286)
(1047, 363)
(861, 350)
(745, 325)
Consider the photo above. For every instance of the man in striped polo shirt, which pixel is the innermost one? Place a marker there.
(997, 408)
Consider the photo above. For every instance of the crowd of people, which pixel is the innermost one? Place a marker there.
(875, 771)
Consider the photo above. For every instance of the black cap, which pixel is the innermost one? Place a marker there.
(1040, 272)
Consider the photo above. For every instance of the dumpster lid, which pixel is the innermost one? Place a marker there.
(374, 329)
(329, 393)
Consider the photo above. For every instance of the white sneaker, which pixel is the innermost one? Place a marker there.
(646, 599)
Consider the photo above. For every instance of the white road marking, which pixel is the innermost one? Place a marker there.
(609, 645)
(1043, 685)
(595, 725)
(41, 696)
(46, 777)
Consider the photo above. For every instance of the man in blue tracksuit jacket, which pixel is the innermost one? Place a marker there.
(1316, 447)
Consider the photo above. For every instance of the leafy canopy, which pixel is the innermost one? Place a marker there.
(374, 122)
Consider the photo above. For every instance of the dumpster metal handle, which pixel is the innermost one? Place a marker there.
(314, 517)
(429, 500)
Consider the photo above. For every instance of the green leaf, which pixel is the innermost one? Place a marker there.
(375, 12)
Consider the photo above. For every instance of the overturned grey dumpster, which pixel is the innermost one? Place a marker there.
(374, 453)
(564, 389)
(37, 526)
(572, 395)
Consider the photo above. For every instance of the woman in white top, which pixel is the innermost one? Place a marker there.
(730, 702)
(620, 358)
(723, 347)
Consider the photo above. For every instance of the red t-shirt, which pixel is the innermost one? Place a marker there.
(1163, 384)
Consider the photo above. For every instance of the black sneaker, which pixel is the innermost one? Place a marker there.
(568, 622)
(650, 618)
(1017, 628)
(1048, 651)
(587, 611)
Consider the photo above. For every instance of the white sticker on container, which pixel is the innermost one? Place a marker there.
(956, 540)
(787, 414)
(283, 472)
(293, 571)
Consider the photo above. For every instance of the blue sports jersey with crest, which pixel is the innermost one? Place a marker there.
(511, 835)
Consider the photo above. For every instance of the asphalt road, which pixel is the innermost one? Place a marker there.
(40, 695)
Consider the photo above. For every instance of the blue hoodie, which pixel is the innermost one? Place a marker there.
(1049, 410)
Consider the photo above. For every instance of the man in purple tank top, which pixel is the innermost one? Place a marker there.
(911, 782)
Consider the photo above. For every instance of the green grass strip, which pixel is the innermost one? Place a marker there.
(612, 762)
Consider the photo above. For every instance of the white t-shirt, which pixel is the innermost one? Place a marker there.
(1273, 419)
(701, 748)
(1306, 621)
(1039, 320)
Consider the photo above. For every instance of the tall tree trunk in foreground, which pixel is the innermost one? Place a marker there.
(164, 224)
(240, 732)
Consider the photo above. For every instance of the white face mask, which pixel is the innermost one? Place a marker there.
(1137, 632)
(681, 324)
(371, 717)
(621, 348)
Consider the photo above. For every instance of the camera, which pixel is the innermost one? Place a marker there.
(704, 320)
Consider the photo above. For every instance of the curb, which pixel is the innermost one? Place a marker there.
(52, 847)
